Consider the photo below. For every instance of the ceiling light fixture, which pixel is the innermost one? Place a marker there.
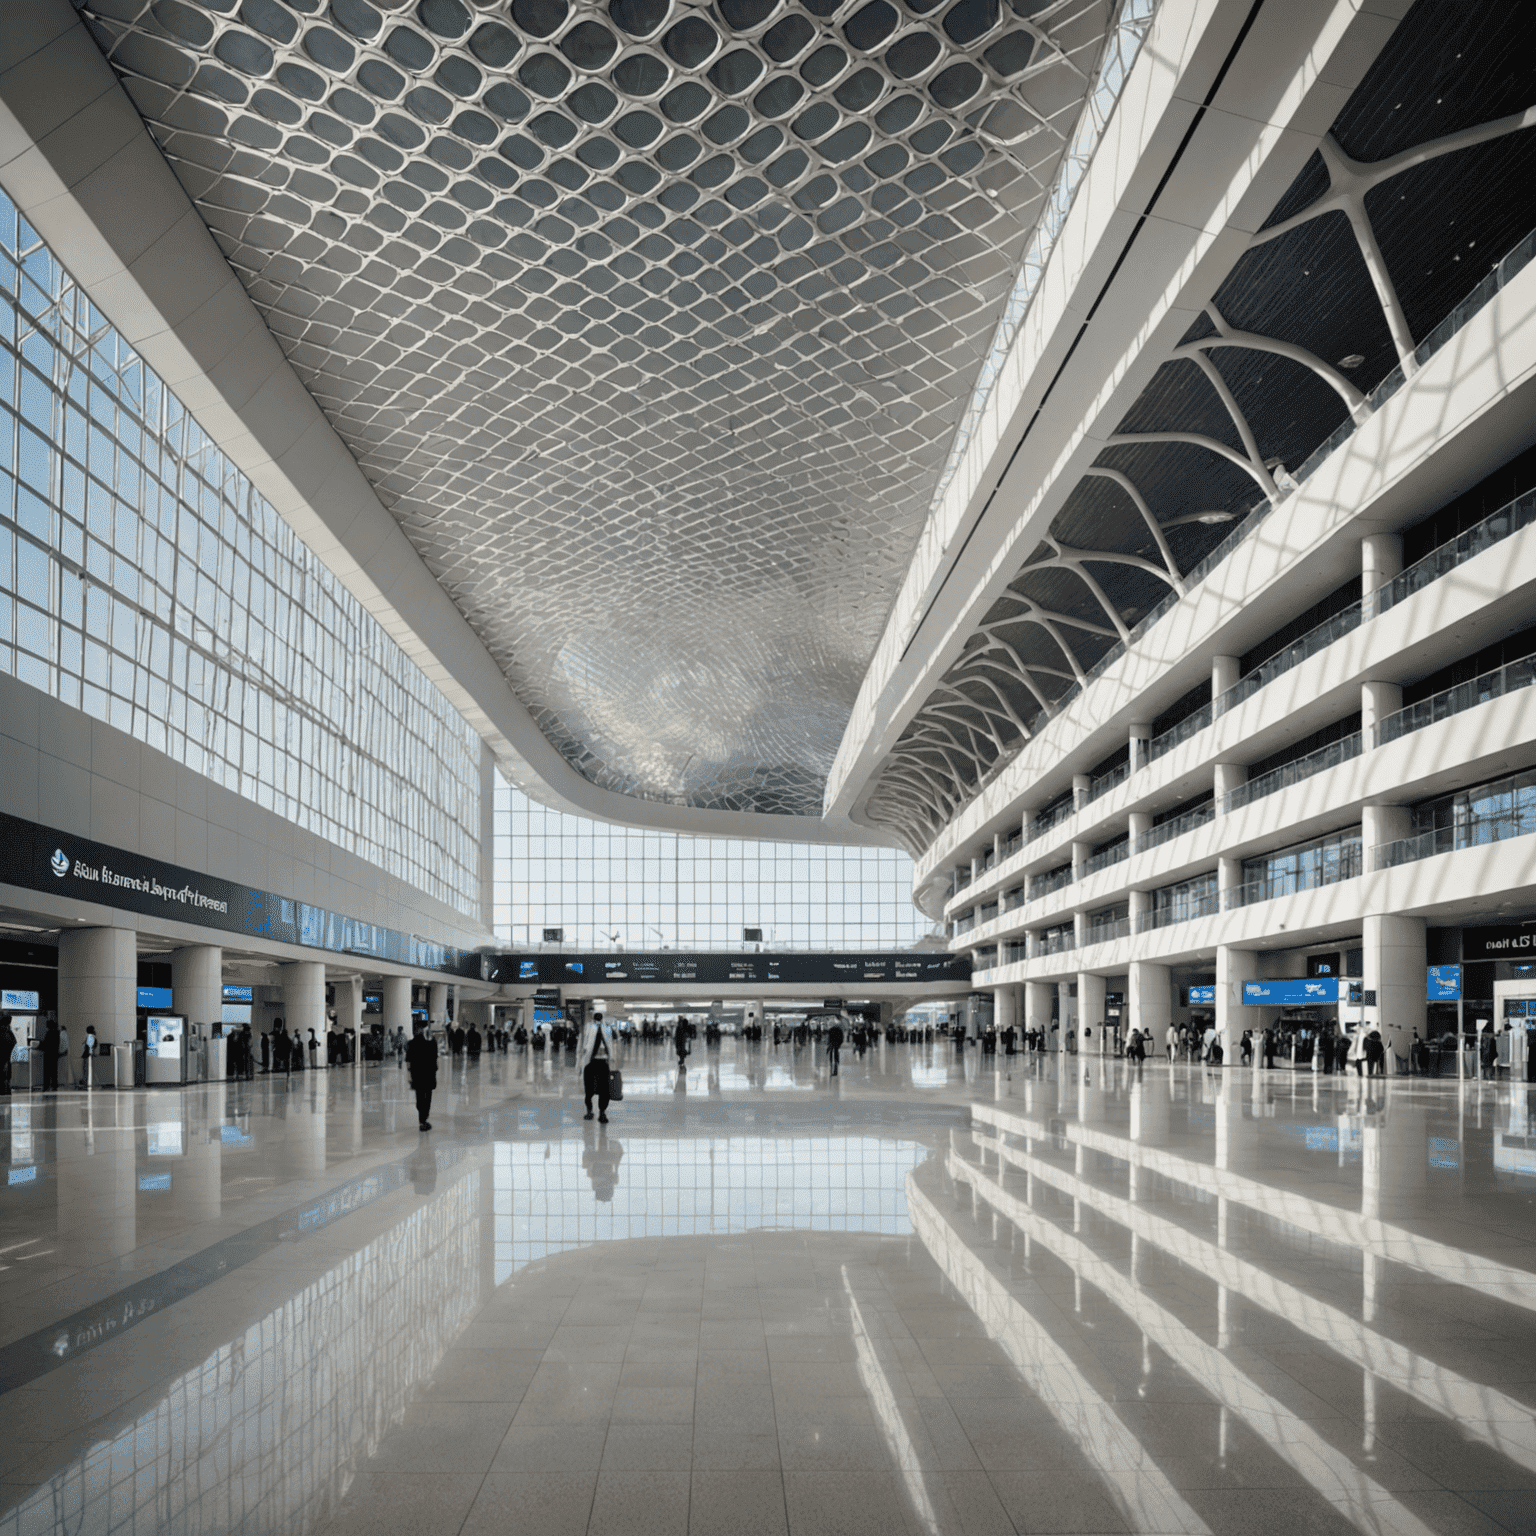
(1210, 518)
(1352, 361)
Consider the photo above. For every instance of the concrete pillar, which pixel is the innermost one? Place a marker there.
(1037, 1007)
(1081, 853)
(757, 1012)
(1394, 970)
(1381, 558)
(527, 1014)
(1140, 904)
(349, 1006)
(1149, 1000)
(1229, 878)
(1080, 928)
(1066, 1013)
(1090, 1012)
(437, 1002)
(1080, 786)
(1228, 777)
(1141, 824)
(1380, 824)
(1233, 968)
(1140, 735)
(197, 980)
(1224, 675)
(1004, 1009)
(1377, 701)
(304, 998)
(397, 1004)
(98, 984)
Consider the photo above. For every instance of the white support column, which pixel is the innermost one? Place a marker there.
(1149, 999)
(1377, 701)
(197, 983)
(304, 998)
(437, 1003)
(98, 984)
(1081, 853)
(1080, 783)
(1140, 735)
(1037, 1008)
(1140, 904)
(1004, 1010)
(1233, 968)
(1381, 824)
(1381, 558)
(1229, 876)
(397, 1004)
(349, 1007)
(1394, 970)
(1090, 1011)
(1228, 777)
(1140, 825)
(1066, 1014)
(1224, 675)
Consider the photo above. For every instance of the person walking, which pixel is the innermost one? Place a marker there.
(68, 1067)
(835, 1045)
(1375, 1055)
(7, 1045)
(421, 1064)
(50, 1049)
(680, 1035)
(597, 1066)
(1489, 1051)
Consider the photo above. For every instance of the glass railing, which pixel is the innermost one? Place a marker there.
(1056, 943)
(1181, 912)
(1490, 813)
(1013, 844)
(1102, 860)
(1015, 949)
(1293, 773)
(1510, 678)
(1273, 886)
(1520, 513)
(962, 879)
(1051, 818)
(1166, 831)
(1190, 725)
(1014, 898)
(1043, 885)
(1317, 639)
(984, 957)
(964, 924)
(1101, 933)
(987, 912)
(1106, 782)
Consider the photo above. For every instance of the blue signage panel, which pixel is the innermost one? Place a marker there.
(1202, 997)
(1442, 983)
(238, 994)
(1290, 992)
(18, 1002)
(154, 997)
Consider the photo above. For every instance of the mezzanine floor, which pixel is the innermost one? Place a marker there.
(921, 1297)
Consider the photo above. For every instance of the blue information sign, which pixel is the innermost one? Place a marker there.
(154, 997)
(237, 994)
(1290, 992)
(1442, 983)
(1202, 997)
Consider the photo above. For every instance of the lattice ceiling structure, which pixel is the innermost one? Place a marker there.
(650, 321)
(1426, 180)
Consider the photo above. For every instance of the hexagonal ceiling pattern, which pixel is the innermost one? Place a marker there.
(651, 322)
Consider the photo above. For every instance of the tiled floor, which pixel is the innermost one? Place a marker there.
(922, 1297)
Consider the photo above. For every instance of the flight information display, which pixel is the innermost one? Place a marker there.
(667, 967)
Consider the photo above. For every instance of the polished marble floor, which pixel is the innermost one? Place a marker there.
(922, 1296)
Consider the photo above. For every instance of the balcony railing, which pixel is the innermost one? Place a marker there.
(1106, 781)
(1176, 826)
(1271, 887)
(1316, 639)
(1190, 725)
(985, 957)
(1107, 856)
(1518, 514)
(1100, 933)
(1181, 912)
(965, 924)
(1056, 943)
(1014, 950)
(1509, 678)
(1043, 885)
(1012, 844)
(1492, 822)
(986, 912)
(1283, 777)
(1048, 819)
(1014, 897)
(962, 879)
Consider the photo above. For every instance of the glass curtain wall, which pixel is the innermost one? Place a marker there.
(144, 581)
(606, 885)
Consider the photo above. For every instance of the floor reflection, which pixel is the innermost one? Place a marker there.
(932, 1294)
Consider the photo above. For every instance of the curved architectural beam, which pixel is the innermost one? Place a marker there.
(1155, 528)
(1261, 476)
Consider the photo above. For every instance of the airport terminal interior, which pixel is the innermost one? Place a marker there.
(764, 767)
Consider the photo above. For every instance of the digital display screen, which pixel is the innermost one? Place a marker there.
(238, 994)
(165, 1038)
(18, 1002)
(154, 997)
(720, 968)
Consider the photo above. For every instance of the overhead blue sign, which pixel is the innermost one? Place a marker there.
(154, 997)
(18, 1002)
(1442, 983)
(238, 994)
(1289, 992)
(1202, 997)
